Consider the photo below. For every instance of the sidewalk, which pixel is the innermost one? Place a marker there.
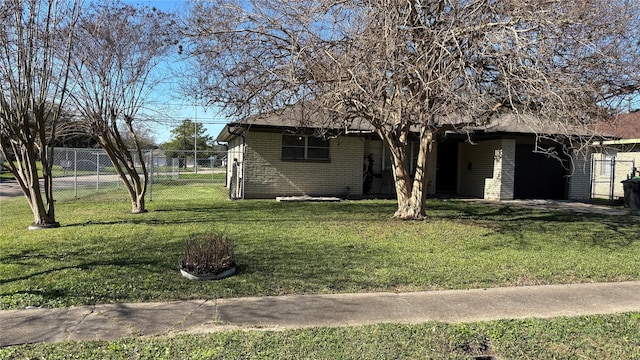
(110, 322)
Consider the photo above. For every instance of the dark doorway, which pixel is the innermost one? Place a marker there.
(538, 176)
(447, 168)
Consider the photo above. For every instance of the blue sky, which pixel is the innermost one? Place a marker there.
(170, 108)
(166, 104)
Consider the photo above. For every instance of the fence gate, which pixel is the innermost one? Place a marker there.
(607, 175)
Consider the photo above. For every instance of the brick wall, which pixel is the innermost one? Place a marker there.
(487, 169)
(267, 176)
(580, 181)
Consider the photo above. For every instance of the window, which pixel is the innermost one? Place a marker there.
(301, 147)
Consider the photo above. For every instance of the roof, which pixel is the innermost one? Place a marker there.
(624, 126)
(529, 124)
(295, 117)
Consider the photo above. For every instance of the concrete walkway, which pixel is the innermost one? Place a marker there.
(110, 322)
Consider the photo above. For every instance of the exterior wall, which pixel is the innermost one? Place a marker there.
(508, 170)
(580, 181)
(234, 152)
(267, 176)
(235, 158)
(487, 169)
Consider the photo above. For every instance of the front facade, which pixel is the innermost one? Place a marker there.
(258, 169)
(271, 161)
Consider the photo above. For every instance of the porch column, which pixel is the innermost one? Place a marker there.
(500, 185)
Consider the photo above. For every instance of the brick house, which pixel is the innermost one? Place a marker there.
(273, 156)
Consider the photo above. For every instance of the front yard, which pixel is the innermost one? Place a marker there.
(102, 254)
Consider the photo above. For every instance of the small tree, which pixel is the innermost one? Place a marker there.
(188, 136)
(35, 53)
(116, 55)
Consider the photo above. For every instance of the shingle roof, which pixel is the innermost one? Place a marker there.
(295, 117)
(625, 126)
(528, 124)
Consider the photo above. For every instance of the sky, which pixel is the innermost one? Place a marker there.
(170, 108)
(166, 105)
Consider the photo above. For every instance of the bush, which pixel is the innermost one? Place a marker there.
(211, 254)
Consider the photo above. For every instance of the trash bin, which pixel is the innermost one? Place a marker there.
(631, 189)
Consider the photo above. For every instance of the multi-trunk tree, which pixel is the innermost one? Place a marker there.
(36, 39)
(117, 53)
(417, 68)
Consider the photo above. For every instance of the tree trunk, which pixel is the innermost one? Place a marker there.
(26, 174)
(138, 198)
(412, 193)
(43, 213)
(124, 165)
(138, 206)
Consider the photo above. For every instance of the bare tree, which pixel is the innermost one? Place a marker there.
(116, 58)
(35, 52)
(417, 68)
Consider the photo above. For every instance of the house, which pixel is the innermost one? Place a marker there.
(282, 154)
(616, 159)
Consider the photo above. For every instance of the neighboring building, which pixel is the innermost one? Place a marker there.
(616, 160)
(272, 156)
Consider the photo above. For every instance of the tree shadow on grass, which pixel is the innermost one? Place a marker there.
(256, 211)
(81, 266)
(606, 231)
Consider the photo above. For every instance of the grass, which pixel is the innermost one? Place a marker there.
(586, 337)
(103, 254)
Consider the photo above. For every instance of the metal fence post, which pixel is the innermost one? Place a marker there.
(150, 172)
(613, 178)
(75, 174)
(97, 172)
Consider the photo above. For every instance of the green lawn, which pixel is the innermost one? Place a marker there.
(103, 254)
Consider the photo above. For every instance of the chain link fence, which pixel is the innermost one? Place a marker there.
(607, 174)
(82, 172)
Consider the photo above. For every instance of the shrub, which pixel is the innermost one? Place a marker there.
(211, 254)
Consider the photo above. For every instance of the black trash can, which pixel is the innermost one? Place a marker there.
(631, 189)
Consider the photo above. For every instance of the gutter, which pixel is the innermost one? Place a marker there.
(621, 142)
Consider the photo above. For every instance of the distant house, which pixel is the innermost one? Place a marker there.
(274, 155)
(616, 159)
